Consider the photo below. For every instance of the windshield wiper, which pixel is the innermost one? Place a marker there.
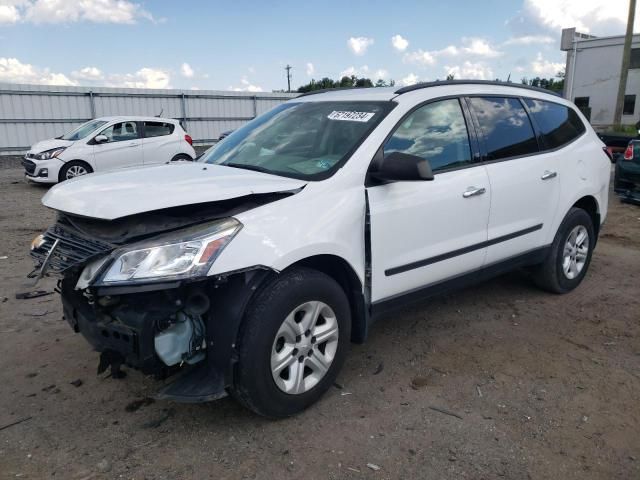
(245, 166)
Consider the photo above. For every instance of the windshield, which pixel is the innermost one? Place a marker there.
(308, 140)
(83, 130)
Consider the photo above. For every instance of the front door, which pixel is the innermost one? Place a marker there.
(425, 232)
(123, 147)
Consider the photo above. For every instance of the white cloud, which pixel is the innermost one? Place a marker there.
(9, 14)
(602, 17)
(419, 57)
(530, 40)
(65, 11)
(13, 70)
(186, 70)
(246, 86)
(544, 68)
(359, 45)
(143, 78)
(399, 43)
(310, 69)
(381, 74)
(479, 47)
(91, 74)
(410, 79)
(469, 70)
(471, 47)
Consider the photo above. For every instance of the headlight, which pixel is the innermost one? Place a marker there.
(182, 254)
(48, 154)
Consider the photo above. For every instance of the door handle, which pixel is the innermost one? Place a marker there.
(473, 191)
(132, 145)
(548, 174)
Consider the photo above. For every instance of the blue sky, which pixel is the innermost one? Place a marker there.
(245, 45)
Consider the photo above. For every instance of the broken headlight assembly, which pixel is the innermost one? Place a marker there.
(182, 254)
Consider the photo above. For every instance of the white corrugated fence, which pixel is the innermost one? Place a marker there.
(30, 113)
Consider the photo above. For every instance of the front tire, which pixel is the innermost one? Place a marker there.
(292, 343)
(570, 254)
(75, 168)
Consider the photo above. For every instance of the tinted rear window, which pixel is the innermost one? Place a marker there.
(157, 129)
(506, 127)
(558, 124)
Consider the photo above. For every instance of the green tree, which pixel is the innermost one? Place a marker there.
(345, 82)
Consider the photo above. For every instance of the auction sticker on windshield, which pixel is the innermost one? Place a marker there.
(351, 116)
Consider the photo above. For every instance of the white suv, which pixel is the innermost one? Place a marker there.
(251, 270)
(107, 143)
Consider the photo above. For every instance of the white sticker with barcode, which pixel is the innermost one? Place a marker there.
(351, 116)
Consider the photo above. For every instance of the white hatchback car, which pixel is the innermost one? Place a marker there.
(108, 143)
(251, 270)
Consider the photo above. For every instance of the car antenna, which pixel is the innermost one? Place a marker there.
(160, 114)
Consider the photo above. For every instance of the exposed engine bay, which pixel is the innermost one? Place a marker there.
(161, 328)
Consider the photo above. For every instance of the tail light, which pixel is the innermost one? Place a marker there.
(188, 139)
(628, 153)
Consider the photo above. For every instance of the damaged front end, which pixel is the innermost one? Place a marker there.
(138, 290)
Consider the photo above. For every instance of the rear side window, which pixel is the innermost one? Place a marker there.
(558, 124)
(506, 126)
(436, 132)
(158, 129)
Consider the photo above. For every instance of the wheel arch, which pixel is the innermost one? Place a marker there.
(343, 273)
(589, 204)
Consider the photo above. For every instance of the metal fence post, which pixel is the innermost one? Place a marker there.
(92, 105)
(184, 111)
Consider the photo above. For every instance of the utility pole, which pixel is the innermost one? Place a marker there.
(626, 57)
(288, 69)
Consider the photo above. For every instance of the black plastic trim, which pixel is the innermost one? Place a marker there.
(386, 305)
(461, 251)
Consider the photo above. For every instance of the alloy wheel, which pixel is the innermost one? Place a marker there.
(576, 250)
(304, 347)
(76, 171)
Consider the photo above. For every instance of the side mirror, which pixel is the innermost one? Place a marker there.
(101, 138)
(398, 167)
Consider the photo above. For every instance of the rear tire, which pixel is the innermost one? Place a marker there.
(570, 254)
(74, 168)
(292, 343)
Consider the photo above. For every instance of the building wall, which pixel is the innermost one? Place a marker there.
(30, 113)
(597, 74)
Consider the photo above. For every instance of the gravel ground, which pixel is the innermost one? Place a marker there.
(496, 381)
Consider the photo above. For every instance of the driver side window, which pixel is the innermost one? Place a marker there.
(436, 132)
(120, 132)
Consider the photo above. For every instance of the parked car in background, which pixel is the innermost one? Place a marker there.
(626, 181)
(252, 270)
(615, 143)
(108, 143)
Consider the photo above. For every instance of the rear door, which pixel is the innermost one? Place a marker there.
(524, 181)
(160, 144)
(425, 232)
(122, 149)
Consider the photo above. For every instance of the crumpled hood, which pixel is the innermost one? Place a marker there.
(118, 194)
(52, 143)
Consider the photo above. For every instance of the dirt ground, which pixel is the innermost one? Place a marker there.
(496, 381)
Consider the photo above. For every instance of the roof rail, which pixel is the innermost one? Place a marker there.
(439, 83)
